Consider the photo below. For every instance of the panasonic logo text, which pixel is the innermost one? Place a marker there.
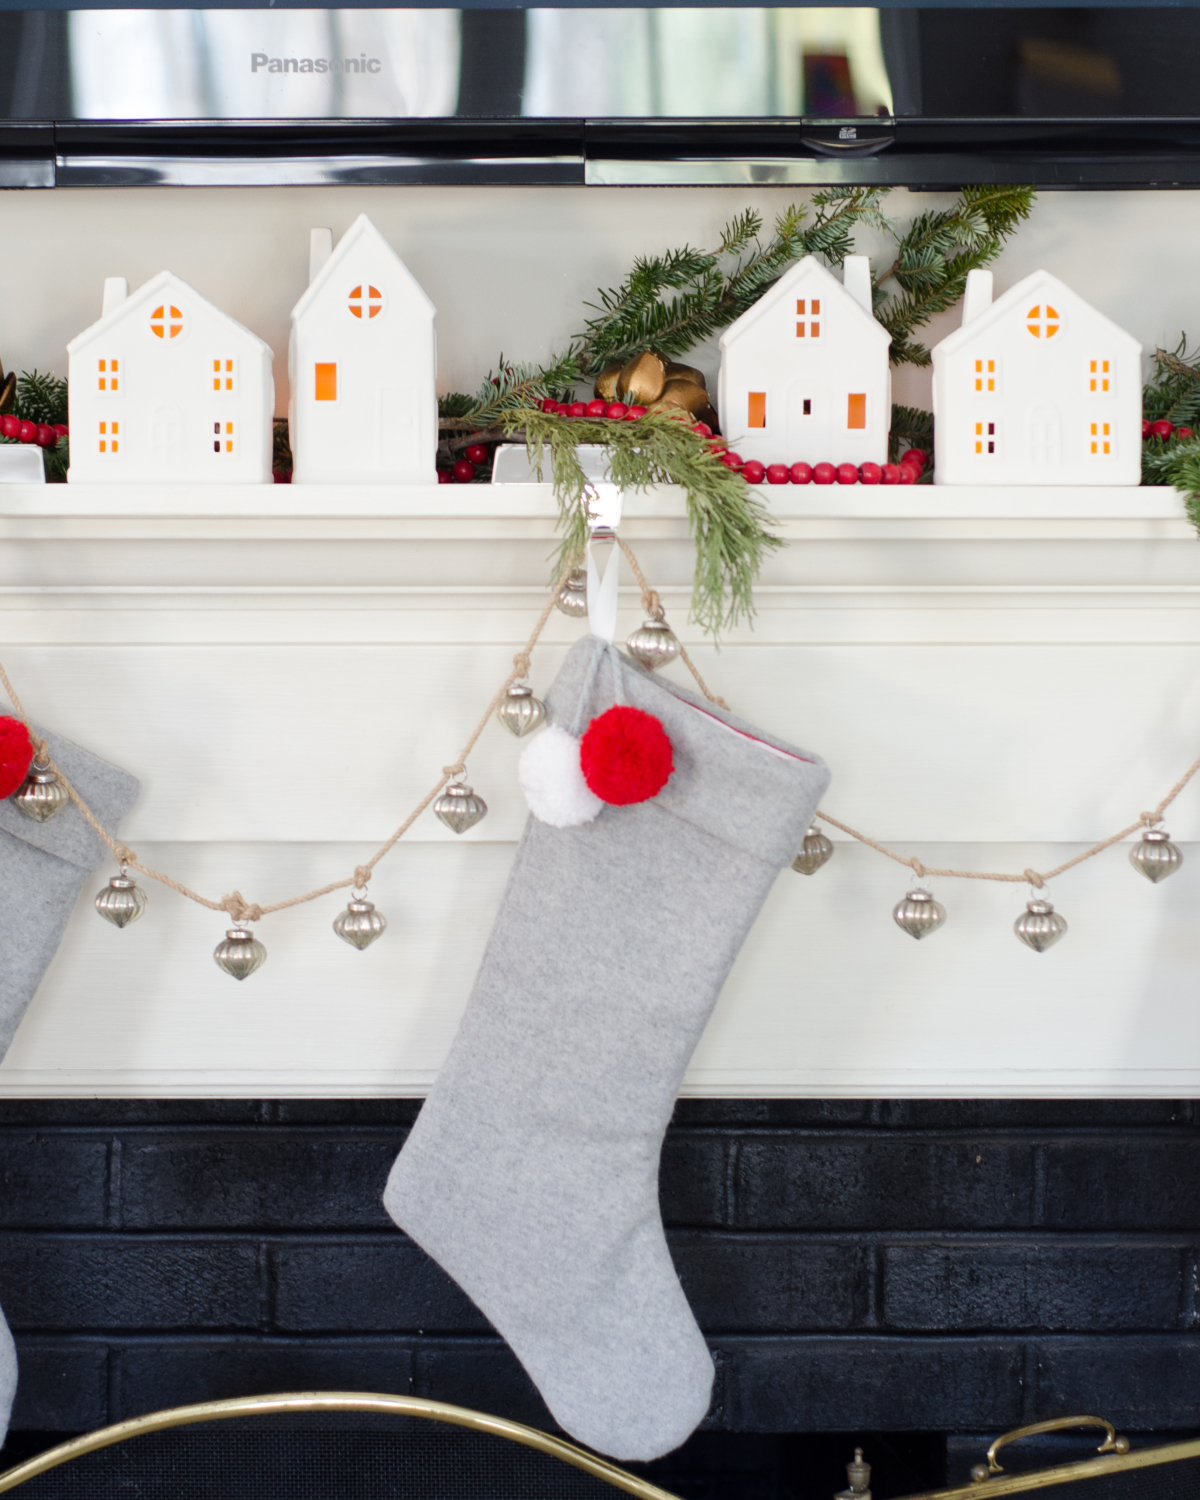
(361, 64)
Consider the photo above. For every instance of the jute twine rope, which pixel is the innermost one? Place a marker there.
(243, 911)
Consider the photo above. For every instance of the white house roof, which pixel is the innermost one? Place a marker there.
(1040, 285)
(804, 271)
(361, 229)
(151, 291)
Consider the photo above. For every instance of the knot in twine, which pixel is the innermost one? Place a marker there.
(362, 874)
(652, 604)
(521, 664)
(458, 769)
(41, 751)
(125, 855)
(241, 910)
(917, 867)
(1034, 879)
(1150, 818)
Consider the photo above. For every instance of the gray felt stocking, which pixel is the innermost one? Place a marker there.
(531, 1174)
(43, 869)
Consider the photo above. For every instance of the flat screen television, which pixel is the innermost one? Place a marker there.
(1100, 96)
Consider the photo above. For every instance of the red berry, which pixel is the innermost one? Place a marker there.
(802, 473)
(717, 444)
(549, 403)
(734, 458)
(1162, 429)
(730, 460)
(778, 474)
(869, 474)
(908, 474)
(45, 437)
(753, 472)
(477, 453)
(577, 409)
(61, 429)
(463, 471)
(823, 473)
(26, 432)
(632, 413)
(616, 411)
(445, 476)
(1184, 432)
(596, 408)
(702, 428)
(889, 474)
(1145, 428)
(9, 426)
(847, 473)
(916, 456)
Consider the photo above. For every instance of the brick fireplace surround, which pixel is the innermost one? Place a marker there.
(917, 1273)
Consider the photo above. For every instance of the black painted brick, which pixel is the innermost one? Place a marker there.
(813, 1182)
(771, 1283)
(1122, 1182)
(480, 1373)
(857, 1382)
(1138, 1381)
(149, 1374)
(390, 1286)
(391, 1113)
(113, 1281)
(52, 1181)
(62, 1385)
(692, 1178)
(276, 1180)
(1030, 1286)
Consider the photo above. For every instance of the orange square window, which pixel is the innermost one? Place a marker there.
(799, 330)
(756, 415)
(800, 305)
(327, 382)
(816, 307)
(856, 410)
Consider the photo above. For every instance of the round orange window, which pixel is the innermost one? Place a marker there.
(366, 302)
(1042, 321)
(166, 322)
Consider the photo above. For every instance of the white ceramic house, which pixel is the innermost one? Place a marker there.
(804, 372)
(1036, 387)
(363, 367)
(167, 388)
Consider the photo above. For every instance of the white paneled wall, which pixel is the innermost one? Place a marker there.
(995, 677)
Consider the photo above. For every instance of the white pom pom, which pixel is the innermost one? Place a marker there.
(552, 780)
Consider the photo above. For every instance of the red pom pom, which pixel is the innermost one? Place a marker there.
(16, 752)
(626, 756)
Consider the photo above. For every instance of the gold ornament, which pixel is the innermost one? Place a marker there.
(520, 712)
(1039, 926)
(684, 395)
(360, 924)
(642, 379)
(121, 901)
(571, 599)
(606, 382)
(240, 954)
(459, 808)
(41, 796)
(1156, 856)
(653, 645)
(815, 851)
(919, 914)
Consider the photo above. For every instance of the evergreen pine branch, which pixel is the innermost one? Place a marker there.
(911, 428)
(41, 398)
(727, 519)
(1175, 392)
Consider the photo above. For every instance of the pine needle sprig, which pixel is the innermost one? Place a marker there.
(911, 428)
(43, 399)
(935, 255)
(727, 519)
(1175, 392)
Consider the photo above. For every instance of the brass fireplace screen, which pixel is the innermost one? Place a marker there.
(348, 1445)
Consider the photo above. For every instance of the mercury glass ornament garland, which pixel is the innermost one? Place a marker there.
(45, 791)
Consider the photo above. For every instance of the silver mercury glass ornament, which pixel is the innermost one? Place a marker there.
(858, 1475)
(1156, 856)
(653, 645)
(121, 901)
(240, 954)
(1039, 926)
(360, 924)
(41, 796)
(519, 711)
(572, 596)
(459, 807)
(815, 851)
(919, 914)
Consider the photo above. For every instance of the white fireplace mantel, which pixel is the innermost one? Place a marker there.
(996, 678)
